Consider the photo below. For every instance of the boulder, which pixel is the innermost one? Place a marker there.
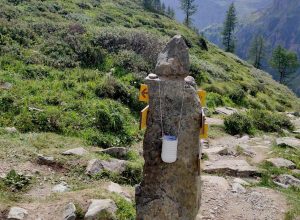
(44, 160)
(5, 85)
(11, 130)
(288, 180)
(17, 213)
(118, 152)
(238, 188)
(69, 212)
(241, 181)
(288, 142)
(113, 165)
(76, 151)
(216, 150)
(225, 110)
(229, 167)
(281, 162)
(116, 188)
(60, 188)
(101, 209)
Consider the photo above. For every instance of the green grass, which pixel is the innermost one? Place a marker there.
(292, 193)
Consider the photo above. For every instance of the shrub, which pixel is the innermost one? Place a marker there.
(6, 102)
(35, 72)
(214, 100)
(270, 121)
(133, 173)
(16, 181)
(237, 96)
(126, 210)
(131, 61)
(238, 123)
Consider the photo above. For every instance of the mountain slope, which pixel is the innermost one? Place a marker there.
(279, 25)
(75, 67)
(211, 12)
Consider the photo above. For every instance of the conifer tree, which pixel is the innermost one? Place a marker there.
(189, 8)
(257, 51)
(170, 12)
(228, 29)
(285, 62)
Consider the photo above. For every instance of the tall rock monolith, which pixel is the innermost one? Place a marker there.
(170, 191)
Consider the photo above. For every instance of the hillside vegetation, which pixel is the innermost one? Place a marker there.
(69, 78)
(75, 68)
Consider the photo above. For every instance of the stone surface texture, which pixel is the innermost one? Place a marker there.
(288, 142)
(80, 151)
(101, 209)
(69, 212)
(60, 188)
(171, 191)
(17, 213)
(118, 152)
(114, 165)
(239, 168)
(281, 162)
(288, 180)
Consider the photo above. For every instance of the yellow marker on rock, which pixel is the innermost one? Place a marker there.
(204, 132)
(202, 96)
(144, 97)
(143, 118)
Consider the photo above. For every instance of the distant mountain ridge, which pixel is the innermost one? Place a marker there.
(279, 25)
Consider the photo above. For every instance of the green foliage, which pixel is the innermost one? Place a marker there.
(257, 51)
(269, 121)
(237, 95)
(238, 123)
(228, 29)
(126, 211)
(133, 173)
(16, 181)
(214, 100)
(284, 61)
(189, 8)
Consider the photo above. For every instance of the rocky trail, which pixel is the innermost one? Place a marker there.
(231, 177)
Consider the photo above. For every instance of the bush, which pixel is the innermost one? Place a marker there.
(270, 121)
(131, 61)
(238, 123)
(214, 100)
(237, 96)
(35, 72)
(114, 89)
(133, 173)
(16, 181)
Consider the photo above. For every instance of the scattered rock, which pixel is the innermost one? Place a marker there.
(296, 131)
(288, 142)
(17, 213)
(190, 80)
(225, 110)
(216, 150)
(35, 109)
(230, 167)
(173, 61)
(114, 165)
(5, 85)
(241, 181)
(288, 180)
(216, 181)
(296, 171)
(101, 209)
(60, 188)
(238, 188)
(69, 212)
(243, 139)
(281, 162)
(43, 160)
(116, 188)
(11, 130)
(76, 151)
(118, 152)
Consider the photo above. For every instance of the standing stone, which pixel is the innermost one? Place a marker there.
(69, 212)
(170, 191)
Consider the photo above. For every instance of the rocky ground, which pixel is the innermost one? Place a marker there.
(59, 170)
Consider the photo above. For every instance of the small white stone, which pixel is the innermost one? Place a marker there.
(17, 213)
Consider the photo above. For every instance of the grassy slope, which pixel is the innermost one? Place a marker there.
(57, 55)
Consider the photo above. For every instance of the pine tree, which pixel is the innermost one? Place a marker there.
(163, 8)
(285, 62)
(228, 29)
(148, 4)
(189, 8)
(257, 51)
(170, 12)
(157, 5)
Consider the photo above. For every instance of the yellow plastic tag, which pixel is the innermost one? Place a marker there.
(143, 117)
(202, 96)
(144, 97)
